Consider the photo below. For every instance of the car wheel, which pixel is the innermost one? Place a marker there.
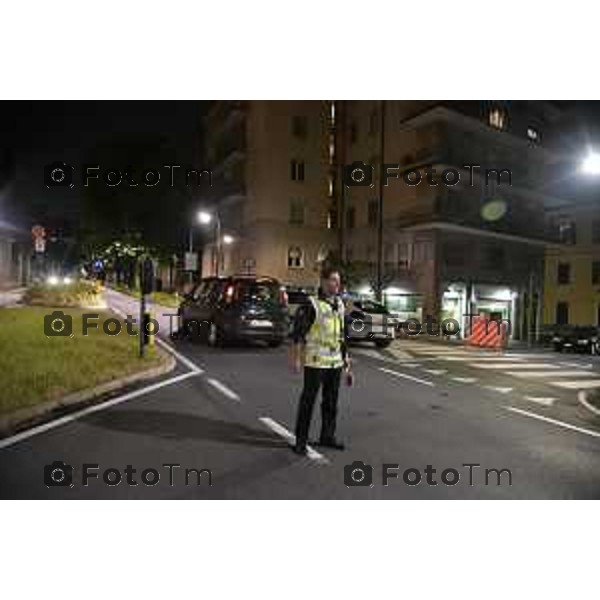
(215, 336)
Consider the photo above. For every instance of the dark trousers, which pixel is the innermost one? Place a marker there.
(313, 379)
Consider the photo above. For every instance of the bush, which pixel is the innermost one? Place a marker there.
(75, 295)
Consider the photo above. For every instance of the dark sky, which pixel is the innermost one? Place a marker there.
(142, 134)
(35, 133)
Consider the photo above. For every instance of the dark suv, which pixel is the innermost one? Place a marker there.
(236, 308)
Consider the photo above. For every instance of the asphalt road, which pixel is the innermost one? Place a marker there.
(227, 411)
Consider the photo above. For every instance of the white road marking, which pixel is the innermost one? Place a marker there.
(511, 366)
(436, 371)
(291, 438)
(501, 390)
(223, 389)
(581, 396)
(405, 376)
(465, 379)
(532, 374)
(541, 400)
(479, 358)
(553, 421)
(184, 359)
(577, 385)
(576, 365)
(9, 441)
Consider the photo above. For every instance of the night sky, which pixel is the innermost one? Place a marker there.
(140, 134)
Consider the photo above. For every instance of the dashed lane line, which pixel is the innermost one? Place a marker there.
(464, 379)
(577, 385)
(500, 390)
(405, 376)
(545, 374)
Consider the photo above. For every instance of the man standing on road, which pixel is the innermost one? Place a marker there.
(318, 338)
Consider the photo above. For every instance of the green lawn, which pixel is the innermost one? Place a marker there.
(168, 299)
(35, 368)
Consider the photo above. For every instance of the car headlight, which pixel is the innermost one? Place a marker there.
(52, 280)
(67, 280)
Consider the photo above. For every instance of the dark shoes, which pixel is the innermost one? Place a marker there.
(331, 443)
(299, 449)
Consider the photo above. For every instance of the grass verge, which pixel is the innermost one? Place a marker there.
(35, 368)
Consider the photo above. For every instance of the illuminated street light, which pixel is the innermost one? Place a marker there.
(204, 217)
(591, 164)
(228, 239)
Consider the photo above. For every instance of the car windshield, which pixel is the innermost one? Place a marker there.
(254, 291)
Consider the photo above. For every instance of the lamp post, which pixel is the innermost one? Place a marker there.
(205, 218)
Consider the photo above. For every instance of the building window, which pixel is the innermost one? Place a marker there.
(350, 217)
(533, 135)
(332, 218)
(567, 233)
(297, 170)
(596, 231)
(295, 258)
(564, 273)
(373, 212)
(497, 118)
(300, 127)
(562, 313)
(296, 212)
(596, 272)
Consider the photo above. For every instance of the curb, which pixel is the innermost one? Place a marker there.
(582, 397)
(20, 418)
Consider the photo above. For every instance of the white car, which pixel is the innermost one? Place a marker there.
(367, 320)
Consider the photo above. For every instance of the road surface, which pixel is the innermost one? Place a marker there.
(424, 409)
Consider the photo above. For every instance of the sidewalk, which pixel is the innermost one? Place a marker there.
(131, 306)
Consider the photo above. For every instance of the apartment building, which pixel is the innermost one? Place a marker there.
(440, 247)
(450, 248)
(572, 283)
(272, 187)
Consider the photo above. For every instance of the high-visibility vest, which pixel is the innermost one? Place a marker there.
(323, 348)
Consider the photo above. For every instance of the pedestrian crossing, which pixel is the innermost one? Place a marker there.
(539, 367)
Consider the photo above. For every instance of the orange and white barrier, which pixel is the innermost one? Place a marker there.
(487, 333)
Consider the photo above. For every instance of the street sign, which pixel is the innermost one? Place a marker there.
(191, 261)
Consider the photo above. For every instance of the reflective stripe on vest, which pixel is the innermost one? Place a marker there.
(323, 340)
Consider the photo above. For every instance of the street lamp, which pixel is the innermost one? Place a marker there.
(591, 164)
(206, 218)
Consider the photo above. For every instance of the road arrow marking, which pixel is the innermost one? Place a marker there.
(540, 400)
(501, 390)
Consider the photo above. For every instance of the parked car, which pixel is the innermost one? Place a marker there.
(367, 320)
(578, 338)
(228, 309)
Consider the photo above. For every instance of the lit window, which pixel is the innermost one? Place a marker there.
(295, 258)
(533, 134)
(330, 186)
(497, 118)
(332, 113)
